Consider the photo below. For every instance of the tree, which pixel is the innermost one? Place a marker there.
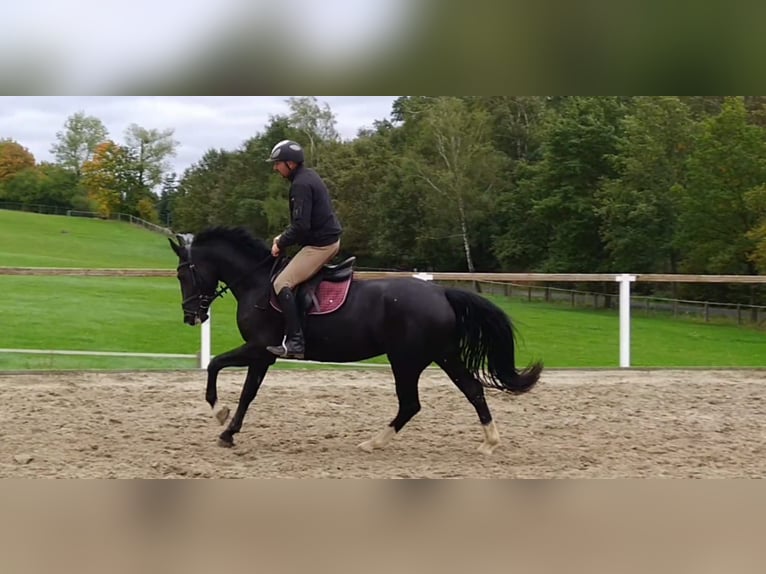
(195, 204)
(639, 207)
(236, 187)
(107, 178)
(14, 158)
(46, 184)
(22, 187)
(146, 208)
(716, 222)
(407, 109)
(151, 149)
(455, 159)
(517, 123)
(703, 107)
(521, 243)
(755, 200)
(59, 186)
(580, 138)
(365, 199)
(166, 203)
(77, 143)
(315, 122)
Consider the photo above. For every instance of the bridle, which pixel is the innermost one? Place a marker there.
(205, 299)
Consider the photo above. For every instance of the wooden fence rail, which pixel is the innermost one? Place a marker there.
(623, 279)
(494, 277)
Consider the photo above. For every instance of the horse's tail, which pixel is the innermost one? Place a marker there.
(486, 341)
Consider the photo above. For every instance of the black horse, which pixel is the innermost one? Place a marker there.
(413, 322)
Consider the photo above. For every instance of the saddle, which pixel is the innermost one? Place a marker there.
(323, 293)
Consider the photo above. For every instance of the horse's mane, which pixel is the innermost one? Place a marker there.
(238, 237)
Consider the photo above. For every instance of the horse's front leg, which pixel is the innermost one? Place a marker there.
(239, 357)
(255, 374)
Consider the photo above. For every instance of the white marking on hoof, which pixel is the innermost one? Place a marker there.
(486, 449)
(491, 439)
(366, 446)
(222, 415)
(381, 440)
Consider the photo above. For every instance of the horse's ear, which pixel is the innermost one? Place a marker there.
(184, 239)
(176, 247)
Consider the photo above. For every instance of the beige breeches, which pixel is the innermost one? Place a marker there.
(304, 265)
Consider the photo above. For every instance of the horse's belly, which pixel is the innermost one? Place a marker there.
(339, 347)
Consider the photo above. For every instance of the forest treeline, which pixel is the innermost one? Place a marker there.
(579, 184)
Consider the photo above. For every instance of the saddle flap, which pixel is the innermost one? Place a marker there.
(323, 293)
(320, 298)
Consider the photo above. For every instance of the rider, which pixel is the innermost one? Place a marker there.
(313, 226)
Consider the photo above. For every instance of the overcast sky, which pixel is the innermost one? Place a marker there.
(200, 122)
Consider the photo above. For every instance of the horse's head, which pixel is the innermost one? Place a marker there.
(198, 284)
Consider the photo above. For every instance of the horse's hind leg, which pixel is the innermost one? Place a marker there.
(474, 392)
(406, 375)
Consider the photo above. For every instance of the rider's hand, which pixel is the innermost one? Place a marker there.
(275, 251)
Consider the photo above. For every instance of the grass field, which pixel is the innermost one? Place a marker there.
(33, 240)
(144, 314)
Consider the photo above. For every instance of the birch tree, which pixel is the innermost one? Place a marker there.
(458, 164)
(316, 123)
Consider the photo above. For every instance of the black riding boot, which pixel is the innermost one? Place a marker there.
(293, 346)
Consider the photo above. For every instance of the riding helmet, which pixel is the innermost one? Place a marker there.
(287, 150)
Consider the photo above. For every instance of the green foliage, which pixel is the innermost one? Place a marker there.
(579, 141)
(109, 180)
(755, 200)
(517, 124)
(150, 150)
(316, 124)
(639, 208)
(493, 183)
(57, 186)
(14, 159)
(456, 167)
(78, 141)
(729, 160)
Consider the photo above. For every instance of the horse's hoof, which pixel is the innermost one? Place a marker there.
(487, 449)
(222, 415)
(225, 442)
(367, 446)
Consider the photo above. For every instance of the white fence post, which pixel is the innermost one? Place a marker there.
(204, 352)
(625, 280)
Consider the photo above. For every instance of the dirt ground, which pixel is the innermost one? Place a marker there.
(599, 424)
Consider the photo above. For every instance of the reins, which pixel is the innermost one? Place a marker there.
(207, 299)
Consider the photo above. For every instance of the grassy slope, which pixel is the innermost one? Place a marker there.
(33, 240)
(144, 315)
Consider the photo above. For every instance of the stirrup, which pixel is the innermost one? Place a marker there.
(283, 352)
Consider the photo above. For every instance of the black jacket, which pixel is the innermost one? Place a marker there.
(312, 218)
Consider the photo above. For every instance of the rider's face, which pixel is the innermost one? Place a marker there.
(282, 168)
